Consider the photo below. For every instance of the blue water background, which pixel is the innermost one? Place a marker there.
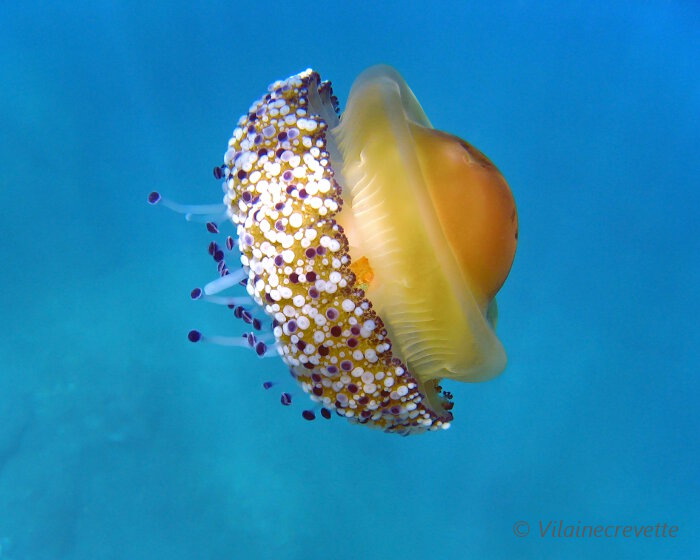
(120, 440)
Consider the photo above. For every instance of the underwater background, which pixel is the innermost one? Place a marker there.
(120, 439)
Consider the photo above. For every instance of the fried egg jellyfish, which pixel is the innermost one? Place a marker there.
(376, 243)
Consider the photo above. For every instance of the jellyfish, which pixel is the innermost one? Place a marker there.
(375, 244)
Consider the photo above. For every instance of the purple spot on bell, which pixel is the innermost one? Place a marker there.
(279, 261)
(310, 253)
(332, 370)
(311, 276)
(294, 278)
(241, 175)
(292, 326)
(194, 336)
(286, 399)
(321, 251)
(352, 388)
(308, 415)
(260, 348)
(267, 384)
(303, 194)
(355, 330)
(346, 365)
(212, 227)
(154, 198)
(279, 206)
(326, 413)
(352, 342)
(218, 173)
(196, 293)
(332, 313)
(314, 293)
(246, 197)
(287, 176)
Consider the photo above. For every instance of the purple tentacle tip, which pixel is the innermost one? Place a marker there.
(194, 336)
(308, 415)
(154, 198)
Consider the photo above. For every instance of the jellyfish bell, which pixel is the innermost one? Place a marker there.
(375, 243)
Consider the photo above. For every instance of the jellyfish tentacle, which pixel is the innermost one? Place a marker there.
(224, 282)
(191, 212)
(228, 300)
